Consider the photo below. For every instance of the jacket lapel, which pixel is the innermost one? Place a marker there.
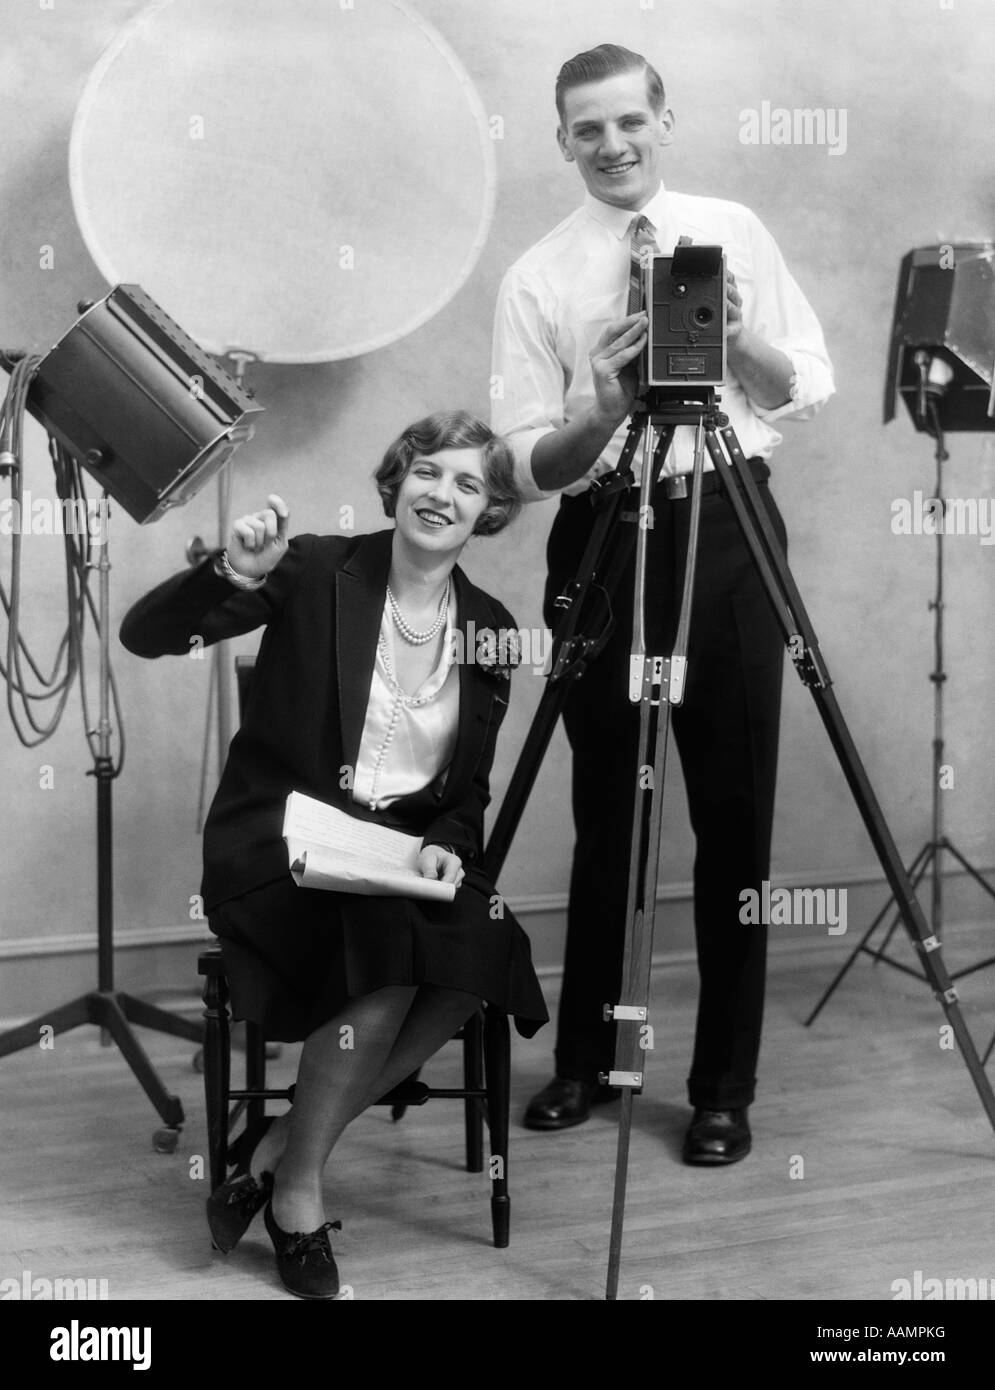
(359, 597)
(477, 691)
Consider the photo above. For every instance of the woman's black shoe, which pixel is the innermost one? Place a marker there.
(232, 1206)
(304, 1260)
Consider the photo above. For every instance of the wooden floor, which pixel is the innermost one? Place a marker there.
(897, 1157)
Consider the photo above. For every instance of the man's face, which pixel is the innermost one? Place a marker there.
(616, 139)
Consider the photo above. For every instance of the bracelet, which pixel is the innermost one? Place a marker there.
(222, 567)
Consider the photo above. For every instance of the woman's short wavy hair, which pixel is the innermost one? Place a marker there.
(455, 429)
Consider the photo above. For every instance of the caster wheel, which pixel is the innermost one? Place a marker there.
(164, 1141)
(197, 1060)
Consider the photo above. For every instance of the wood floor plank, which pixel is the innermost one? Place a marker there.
(872, 1159)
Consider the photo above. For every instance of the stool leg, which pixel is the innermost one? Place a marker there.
(497, 1061)
(217, 1066)
(473, 1080)
(255, 1073)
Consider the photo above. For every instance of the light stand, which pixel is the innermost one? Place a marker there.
(110, 1009)
(130, 397)
(942, 363)
(930, 855)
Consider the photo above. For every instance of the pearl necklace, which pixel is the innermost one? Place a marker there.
(410, 634)
(400, 698)
(401, 701)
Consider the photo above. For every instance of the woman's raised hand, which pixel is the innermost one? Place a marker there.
(259, 539)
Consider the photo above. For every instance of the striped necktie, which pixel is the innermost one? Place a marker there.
(641, 239)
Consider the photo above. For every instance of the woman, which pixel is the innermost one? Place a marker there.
(355, 700)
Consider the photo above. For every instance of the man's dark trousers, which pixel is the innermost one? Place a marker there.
(726, 733)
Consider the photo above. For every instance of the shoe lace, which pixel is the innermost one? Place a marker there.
(303, 1244)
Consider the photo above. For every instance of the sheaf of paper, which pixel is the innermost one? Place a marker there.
(323, 868)
(336, 852)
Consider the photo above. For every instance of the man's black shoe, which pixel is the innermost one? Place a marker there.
(565, 1102)
(717, 1136)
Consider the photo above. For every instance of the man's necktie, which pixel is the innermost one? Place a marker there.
(641, 239)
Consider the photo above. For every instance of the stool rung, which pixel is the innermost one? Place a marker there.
(259, 1095)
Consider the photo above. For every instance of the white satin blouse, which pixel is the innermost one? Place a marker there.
(408, 739)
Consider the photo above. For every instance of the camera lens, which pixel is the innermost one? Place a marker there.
(702, 315)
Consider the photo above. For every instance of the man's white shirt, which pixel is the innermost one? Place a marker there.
(556, 300)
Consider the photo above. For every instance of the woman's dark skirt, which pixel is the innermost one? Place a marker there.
(294, 957)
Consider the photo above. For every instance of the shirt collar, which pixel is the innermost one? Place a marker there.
(619, 220)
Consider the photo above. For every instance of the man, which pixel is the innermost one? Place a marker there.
(564, 343)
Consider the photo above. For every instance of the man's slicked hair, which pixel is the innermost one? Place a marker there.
(607, 60)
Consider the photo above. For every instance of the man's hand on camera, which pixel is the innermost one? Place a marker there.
(259, 539)
(617, 348)
(734, 311)
(764, 372)
(562, 456)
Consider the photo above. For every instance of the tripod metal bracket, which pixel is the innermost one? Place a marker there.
(809, 664)
(621, 1078)
(607, 483)
(649, 679)
(928, 943)
(678, 673)
(947, 996)
(631, 1013)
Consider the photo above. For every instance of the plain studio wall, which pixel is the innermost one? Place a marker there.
(913, 83)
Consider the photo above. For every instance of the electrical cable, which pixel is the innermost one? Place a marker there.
(20, 668)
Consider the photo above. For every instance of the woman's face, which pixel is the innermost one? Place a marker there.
(441, 499)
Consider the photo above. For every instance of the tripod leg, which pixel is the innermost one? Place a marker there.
(969, 868)
(915, 873)
(149, 1016)
(523, 778)
(606, 554)
(742, 494)
(983, 883)
(661, 687)
(862, 944)
(567, 640)
(618, 1199)
(114, 1020)
(60, 1020)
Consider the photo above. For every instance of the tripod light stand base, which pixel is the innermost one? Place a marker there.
(115, 1012)
(916, 871)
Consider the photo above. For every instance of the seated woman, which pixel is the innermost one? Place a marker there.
(356, 700)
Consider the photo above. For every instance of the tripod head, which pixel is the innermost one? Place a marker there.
(677, 405)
